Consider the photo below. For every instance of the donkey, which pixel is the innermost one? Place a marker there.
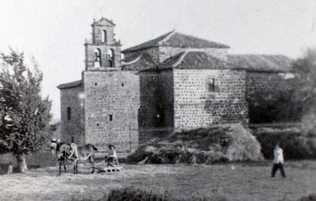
(73, 153)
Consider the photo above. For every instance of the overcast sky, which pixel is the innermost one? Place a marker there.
(54, 31)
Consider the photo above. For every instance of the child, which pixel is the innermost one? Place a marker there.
(112, 158)
(278, 161)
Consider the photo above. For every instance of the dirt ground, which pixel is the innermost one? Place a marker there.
(237, 182)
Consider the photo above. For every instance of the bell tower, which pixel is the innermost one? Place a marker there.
(103, 52)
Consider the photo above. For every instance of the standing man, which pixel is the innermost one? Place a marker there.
(112, 158)
(278, 161)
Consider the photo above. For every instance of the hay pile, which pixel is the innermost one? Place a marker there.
(205, 145)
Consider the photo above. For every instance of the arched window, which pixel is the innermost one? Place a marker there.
(111, 57)
(68, 113)
(97, 57)
(104, 36)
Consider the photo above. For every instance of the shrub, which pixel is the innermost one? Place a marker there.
(310, 197)
(130, 194)
(295, 143)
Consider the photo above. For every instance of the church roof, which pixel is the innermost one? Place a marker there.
(103, 21)
(195, 60)
(136, 62)
(70, 84)
(249, 62)
(261, 62)
(175, 39)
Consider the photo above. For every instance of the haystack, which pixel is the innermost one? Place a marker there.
(206, 145)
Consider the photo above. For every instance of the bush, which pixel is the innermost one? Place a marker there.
(295, 143)
(204, 145)
(311, 197)
(130, 194)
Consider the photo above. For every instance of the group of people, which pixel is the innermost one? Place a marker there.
(112, 158)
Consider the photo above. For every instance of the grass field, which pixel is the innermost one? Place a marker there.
(237, 182)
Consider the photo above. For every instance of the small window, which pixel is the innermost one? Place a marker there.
(72, 139)
(98, 124)
(95, 84)
(110, 117)
(211, 85)
(122, 84)
(104, 36)
(68, 113)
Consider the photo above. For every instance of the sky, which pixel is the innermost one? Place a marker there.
(53, 31)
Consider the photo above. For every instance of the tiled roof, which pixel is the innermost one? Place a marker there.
(203, 60)
(137, 62)
(187, 41)
(175, 39)
(269, 63)
(70, 84)
(195, 60)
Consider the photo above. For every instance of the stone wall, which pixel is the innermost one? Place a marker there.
(166, 94)
(73, 127)
(111, 107)
(149, 100)
(156, 111)
(199, 103)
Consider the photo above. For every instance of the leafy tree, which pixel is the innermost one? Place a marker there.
(288, 99)
(24, 114)
(305, 68)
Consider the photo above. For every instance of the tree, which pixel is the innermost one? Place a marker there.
(291, 99)
(24, 114)
(305, 68)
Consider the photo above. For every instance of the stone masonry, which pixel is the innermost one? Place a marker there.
(173, 82)
(111, 108)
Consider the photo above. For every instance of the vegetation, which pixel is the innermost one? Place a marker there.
(310, 197)
(132, 194)
(296, 143)
(289, 99)
(24, 114)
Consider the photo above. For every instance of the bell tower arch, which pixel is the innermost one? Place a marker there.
(103, 51)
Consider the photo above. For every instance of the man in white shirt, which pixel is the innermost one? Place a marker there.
(112, 158)
(278, 161)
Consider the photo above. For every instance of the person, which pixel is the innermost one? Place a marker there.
(278, 161)
(112, 158)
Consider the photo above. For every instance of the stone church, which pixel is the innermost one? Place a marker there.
(172, 82)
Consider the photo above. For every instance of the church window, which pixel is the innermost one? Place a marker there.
(211, 85)
(68, 113)
(104, 36)
(97, 57)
